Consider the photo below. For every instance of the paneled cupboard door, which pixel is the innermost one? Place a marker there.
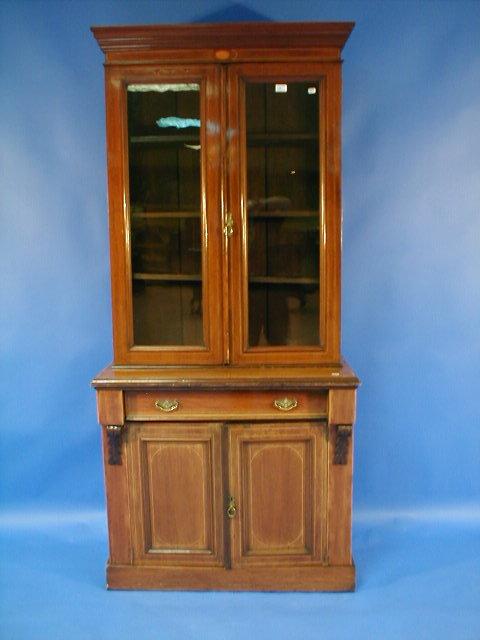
(176, 493)
(277, 487)
(164, 155)
(284, 185)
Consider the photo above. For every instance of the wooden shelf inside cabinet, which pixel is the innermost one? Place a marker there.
(261, 139)
(282, 280)
(283, 213)
(167, 277)
(163, 139)
(154, 215)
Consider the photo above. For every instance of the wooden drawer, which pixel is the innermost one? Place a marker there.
(224, 405)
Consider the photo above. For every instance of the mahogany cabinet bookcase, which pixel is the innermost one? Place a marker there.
(227, 413)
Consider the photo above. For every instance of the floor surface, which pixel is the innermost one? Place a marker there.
(417, 579)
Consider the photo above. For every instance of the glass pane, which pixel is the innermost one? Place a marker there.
(165, 220)
(283, 212)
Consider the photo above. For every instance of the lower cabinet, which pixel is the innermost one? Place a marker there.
(251, 498)
(228, 494)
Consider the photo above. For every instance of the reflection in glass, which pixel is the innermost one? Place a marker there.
(283, 213)
(165, 221)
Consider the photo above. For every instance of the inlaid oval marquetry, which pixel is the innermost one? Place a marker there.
(176, 493)
(277, 488)
(222, 54)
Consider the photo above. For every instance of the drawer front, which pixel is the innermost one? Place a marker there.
(225, 405)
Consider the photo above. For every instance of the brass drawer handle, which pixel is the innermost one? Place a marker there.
(167, 405)
(285, 404)
(232, 507)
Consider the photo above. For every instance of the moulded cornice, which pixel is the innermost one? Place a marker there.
(222, 35)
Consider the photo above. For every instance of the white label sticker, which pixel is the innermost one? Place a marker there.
(281, 88)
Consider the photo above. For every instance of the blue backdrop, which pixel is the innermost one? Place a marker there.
(411, 265)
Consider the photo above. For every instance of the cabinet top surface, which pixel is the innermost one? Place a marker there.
(237, 34)
(223, 377)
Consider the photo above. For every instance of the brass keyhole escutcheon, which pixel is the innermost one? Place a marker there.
(232, 507)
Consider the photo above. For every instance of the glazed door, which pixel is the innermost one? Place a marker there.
(164, 139)
(284, 183)
(176, 493)
(277, 484)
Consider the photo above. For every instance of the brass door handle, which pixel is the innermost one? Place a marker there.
(285, 404)
(232, 507)
(167, 405)
(228, 228)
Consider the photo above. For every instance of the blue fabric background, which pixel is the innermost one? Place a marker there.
(411, 310)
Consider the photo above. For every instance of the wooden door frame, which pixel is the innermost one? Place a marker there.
(314, 431)
(116, 79)
(329, 76)
(138, 434)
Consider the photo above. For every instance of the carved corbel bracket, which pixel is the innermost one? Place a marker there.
(114, 438)
(342, 438)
